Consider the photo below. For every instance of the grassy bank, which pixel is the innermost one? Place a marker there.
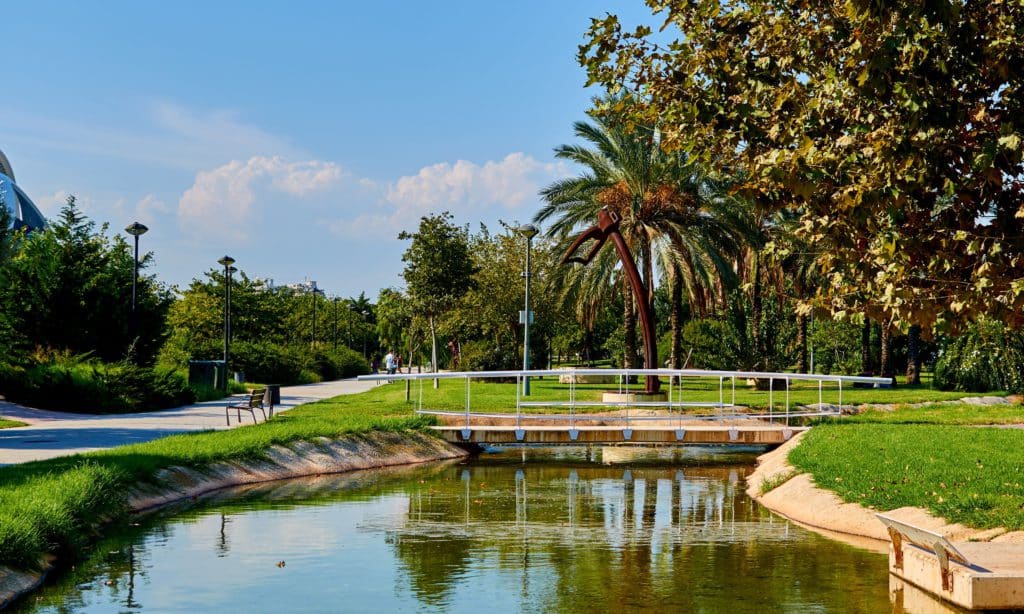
(55, 505)
(935, 457)
(7, 424)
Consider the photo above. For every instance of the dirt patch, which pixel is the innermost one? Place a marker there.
(304, 458)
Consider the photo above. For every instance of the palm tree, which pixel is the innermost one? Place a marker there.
(672, 217)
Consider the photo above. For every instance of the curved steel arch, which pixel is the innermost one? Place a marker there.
(608, 227)
(5, 166)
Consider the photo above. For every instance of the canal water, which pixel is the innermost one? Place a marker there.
(566, 530)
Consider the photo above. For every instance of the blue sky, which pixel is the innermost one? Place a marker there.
(298, 137)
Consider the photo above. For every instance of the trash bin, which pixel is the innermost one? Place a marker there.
(207, 373)
(273, 394)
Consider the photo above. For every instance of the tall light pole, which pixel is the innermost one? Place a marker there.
(366, 316)
(227, 261)
(529, 231)
(336, 323)
(136, 230)
(312, 341)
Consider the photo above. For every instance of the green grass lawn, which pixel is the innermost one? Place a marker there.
(942, 413)
(7, 424)
(934, 457)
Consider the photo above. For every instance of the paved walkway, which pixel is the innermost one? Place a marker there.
(52, 433)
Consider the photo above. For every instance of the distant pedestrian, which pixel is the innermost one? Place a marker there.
(374, 365)
(389, 363)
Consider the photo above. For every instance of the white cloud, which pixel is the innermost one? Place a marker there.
(149, 208)
(507, 184)
(484, 192)
(224, 200)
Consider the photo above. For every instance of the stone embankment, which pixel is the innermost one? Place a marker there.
(299, 459)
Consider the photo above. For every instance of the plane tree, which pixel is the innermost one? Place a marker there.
(891, 127)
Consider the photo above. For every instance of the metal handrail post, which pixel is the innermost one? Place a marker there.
(787, 401)
(771, 398)
(721, 395)
(819, 398)
(467, 401)
(519, 406)
(840, 398)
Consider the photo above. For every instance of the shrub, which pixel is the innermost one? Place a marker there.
(712, 342)
(339, 363)
(84, 384)
(270, 363)
(985, 357)
(836, 346)
(486, 356)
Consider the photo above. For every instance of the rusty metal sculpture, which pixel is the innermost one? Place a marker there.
(608, 227)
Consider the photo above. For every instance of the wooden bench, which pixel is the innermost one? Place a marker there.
(250, 404)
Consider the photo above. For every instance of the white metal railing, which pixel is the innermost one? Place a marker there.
(679, 401)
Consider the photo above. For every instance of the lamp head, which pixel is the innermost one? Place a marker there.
(226, 261)
(528, 230)
(136, 229)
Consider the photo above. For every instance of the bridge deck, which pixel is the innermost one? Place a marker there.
(565, 435)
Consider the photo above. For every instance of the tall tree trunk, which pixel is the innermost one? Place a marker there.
(801, 343)
(885, 364)
(865, 346)
(433, 349)
(755, 313)
(629, 326)
(676, 318)
(698, 294)
(648, 264)
(914, 355)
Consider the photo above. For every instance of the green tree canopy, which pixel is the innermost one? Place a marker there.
(438, 269)
(69, 288)
(893, 127)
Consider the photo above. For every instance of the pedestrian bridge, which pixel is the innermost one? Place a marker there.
(609, 406)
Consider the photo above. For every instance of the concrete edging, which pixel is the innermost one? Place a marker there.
(299, 459)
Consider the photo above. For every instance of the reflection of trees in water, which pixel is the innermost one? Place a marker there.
(432, 567)
(565, 537)
(658, 537)
(116, 567)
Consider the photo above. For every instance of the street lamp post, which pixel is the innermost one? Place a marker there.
(136, 230)
(227, 261)
(529, 231)
(366, 316)
(312, 341)
(336, 323)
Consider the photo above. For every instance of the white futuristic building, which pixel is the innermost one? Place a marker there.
(23, 211)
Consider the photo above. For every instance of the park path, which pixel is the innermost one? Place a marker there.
(53, 433)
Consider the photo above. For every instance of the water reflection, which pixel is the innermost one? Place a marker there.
(507, 532)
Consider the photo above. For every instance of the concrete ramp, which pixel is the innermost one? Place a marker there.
(973, 575)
